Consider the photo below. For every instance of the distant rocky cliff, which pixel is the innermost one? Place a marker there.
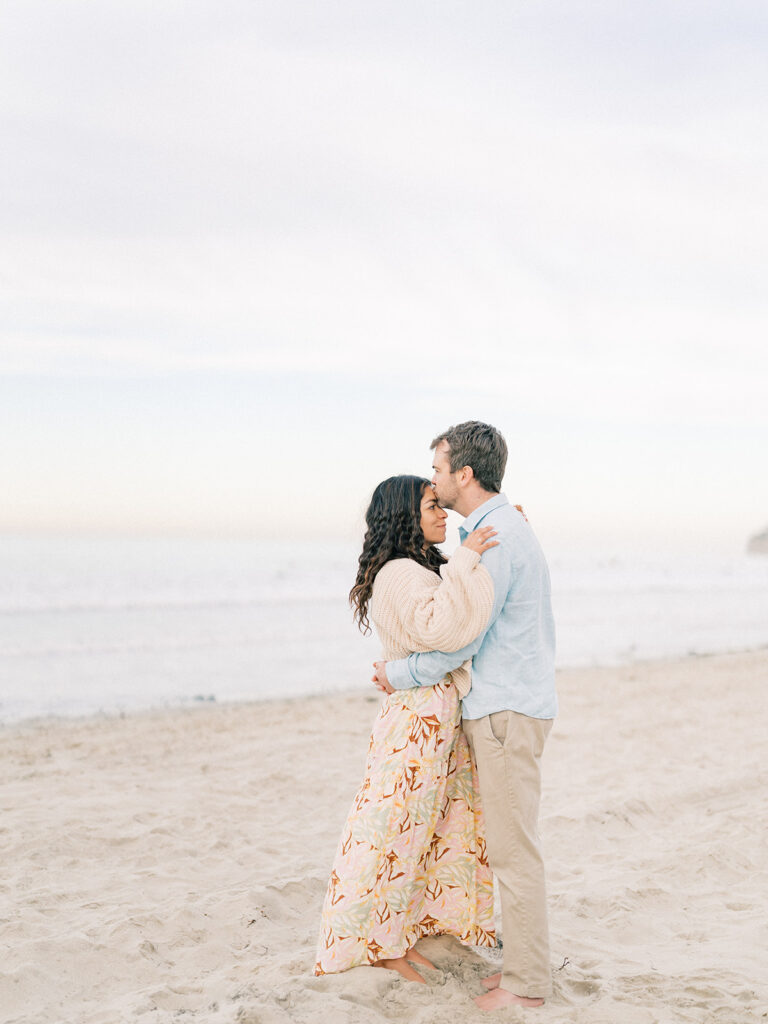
(758, 545)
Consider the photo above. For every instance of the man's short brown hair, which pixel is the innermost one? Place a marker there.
(480, 446)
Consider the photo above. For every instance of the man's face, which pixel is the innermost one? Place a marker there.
(443, 480)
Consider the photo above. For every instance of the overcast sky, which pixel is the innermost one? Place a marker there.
(254, 255)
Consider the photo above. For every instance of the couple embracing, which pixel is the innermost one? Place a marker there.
(451, 790)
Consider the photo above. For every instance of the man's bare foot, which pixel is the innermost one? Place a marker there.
(415, 957)
(402, 967)
(493, 982)
(498, 997)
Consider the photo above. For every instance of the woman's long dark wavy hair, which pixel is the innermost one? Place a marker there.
(394, 531)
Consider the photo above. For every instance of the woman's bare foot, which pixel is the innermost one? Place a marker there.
(415, 957)
(402, 967)
(493, 982)
(498, 997)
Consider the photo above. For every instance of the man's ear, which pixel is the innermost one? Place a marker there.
(467, 475)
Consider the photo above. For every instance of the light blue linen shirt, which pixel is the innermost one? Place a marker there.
(513, 659)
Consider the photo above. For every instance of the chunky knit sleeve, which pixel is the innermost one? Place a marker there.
(415, 611)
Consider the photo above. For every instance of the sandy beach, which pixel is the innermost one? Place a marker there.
(171, 865)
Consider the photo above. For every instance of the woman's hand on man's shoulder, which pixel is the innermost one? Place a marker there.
(480, 539)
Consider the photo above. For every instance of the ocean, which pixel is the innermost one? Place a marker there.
(108, 625)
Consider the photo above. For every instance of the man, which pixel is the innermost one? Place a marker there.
(508, 713)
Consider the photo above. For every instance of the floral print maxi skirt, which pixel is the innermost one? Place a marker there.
(411, 861)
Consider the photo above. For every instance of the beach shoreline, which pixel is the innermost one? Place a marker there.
(171, 863)
(202, 703)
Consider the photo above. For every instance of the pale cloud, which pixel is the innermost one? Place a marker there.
(552, 212)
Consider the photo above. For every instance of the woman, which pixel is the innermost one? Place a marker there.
(411, 861)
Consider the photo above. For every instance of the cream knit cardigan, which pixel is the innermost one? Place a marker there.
(415, 610)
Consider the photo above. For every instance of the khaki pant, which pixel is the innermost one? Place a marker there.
(507, 749)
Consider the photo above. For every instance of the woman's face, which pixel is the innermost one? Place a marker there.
(432, 518)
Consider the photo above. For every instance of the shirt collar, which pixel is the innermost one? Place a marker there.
(472, 520)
